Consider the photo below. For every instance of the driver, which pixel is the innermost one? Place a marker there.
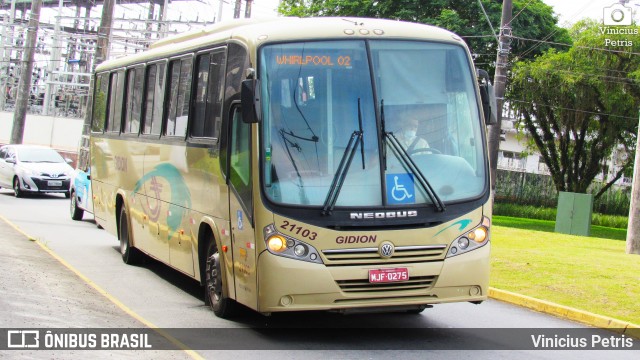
(407, 134)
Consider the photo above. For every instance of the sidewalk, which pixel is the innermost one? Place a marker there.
(37, 291)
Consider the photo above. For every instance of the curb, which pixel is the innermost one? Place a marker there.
(581, 316)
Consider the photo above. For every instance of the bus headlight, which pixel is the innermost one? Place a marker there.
(277, 243)
(471, 240)
(286, 246)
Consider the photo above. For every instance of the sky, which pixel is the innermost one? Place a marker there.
(570, 11)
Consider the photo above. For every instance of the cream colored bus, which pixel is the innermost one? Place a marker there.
(300, 164)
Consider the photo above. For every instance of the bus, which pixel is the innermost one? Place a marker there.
(275, 162)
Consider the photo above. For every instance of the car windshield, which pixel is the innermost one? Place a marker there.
(318, 95)
(38, 155)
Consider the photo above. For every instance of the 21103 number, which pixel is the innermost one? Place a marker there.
(299, 230)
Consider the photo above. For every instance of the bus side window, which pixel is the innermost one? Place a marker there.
(153, 103)
(200, 98)
(100, 101)
(133, 101)
(179, 96)
(207, 116)
(116, 93)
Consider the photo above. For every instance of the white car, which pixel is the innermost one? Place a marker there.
(34, 169)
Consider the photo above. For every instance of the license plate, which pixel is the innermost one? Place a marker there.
(388, 275)
(54, 183)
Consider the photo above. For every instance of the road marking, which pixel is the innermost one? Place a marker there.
(566, 312)
(104, 293)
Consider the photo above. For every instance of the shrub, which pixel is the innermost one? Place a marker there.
(546, 213)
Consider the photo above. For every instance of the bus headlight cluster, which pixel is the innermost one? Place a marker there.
(286, 246)
(471, 240)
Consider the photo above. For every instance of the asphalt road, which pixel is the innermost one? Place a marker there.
(38, 291)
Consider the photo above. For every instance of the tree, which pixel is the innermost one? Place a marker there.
(464, 18)
(577, 106)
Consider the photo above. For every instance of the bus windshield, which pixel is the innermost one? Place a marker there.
(316, 96)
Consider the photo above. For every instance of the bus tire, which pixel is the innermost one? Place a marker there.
(215, 294)
(76, 212)
(130, 255)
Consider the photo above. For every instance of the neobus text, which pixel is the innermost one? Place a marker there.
(383, 215)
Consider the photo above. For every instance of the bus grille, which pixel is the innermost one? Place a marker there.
(370, 256)
(414, 283)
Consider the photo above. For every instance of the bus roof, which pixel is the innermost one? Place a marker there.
(254, 32)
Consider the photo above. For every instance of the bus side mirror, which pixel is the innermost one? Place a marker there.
(250, 98)
(488, 98)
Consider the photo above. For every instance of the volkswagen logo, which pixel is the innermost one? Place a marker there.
(386, 249)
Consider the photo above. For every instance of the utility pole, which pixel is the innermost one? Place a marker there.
(499, 84)
(220, 12)
(247, 9)
(633, 227)
(104, 32)
(101, 54)
(55, 60)
(22, 98)
(236, 10)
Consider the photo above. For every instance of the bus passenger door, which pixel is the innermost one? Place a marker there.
(241, 211)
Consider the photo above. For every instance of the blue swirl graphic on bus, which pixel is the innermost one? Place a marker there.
(180, 195)
(463, 224)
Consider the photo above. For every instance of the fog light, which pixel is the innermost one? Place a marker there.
(300, 250)
(463, 242)
(277, 243)
(286, 300)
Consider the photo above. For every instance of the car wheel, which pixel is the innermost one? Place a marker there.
(130, 255)
(215, 295)
(67, 194)
(76, 212)
(16, 187)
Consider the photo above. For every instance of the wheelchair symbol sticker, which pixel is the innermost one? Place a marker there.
(400, 189)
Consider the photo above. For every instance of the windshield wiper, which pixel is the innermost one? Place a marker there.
(403, 156)
(341, 173)
(288, 144)
(411, 165)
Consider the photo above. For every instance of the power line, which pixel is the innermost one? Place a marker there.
(577, 46)
(574, 110)
(519, 12)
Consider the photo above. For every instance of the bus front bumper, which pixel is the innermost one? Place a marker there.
(291, 285)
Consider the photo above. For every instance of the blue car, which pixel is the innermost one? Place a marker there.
(81, 198)
(80, 186)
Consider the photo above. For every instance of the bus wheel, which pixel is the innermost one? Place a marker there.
(130, 255)
(221, 305)
(76, 212)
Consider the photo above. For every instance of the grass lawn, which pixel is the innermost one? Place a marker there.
(587, 273)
